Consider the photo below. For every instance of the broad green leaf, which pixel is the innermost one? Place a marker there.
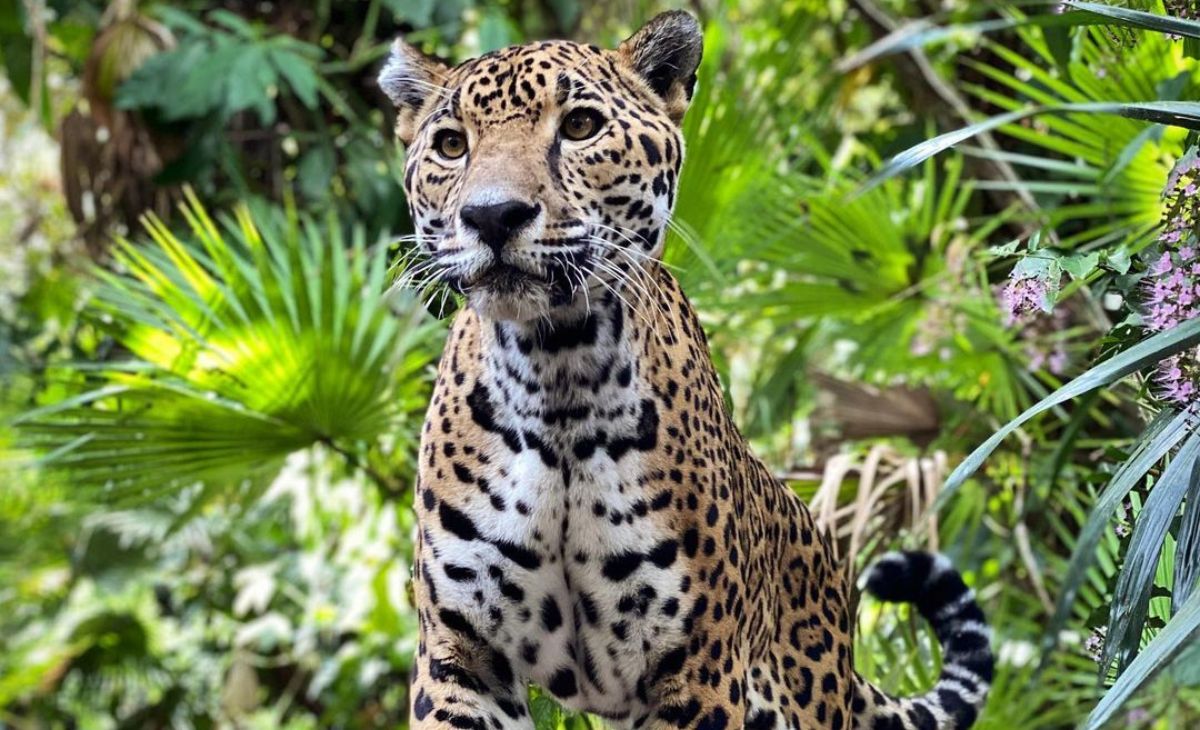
(1080, 265)
(545, 712)
(250, 78)
(418, 12)
(299, 76)
(495, 30)
(234, 22)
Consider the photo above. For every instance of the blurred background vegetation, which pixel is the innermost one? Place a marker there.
(210, 395)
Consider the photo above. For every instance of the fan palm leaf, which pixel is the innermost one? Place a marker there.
(248, 342)
(1109, 189)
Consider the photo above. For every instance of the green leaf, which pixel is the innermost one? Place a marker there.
(918, 34)
(234, 22)
(1162, 435)
(1130, 152)
(1138, 19)
(1184, 114)
(16, 48)
(922, 32)
(495, 30)
(545, 712)
(299, 74)
(250, 77)
(1060, 42)
(1187, 545)
(246, 345)
(417, 12)
(1119, 260)
(315, 170)
(1145, 353)
(1080, 265)
(1179, 634)
(1002, 251)
(1131, 597)
(566, 11)
(1185, 671)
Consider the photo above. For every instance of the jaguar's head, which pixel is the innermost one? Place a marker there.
(541, 176)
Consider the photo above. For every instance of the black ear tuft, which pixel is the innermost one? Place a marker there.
(666, 53)
(409, 78)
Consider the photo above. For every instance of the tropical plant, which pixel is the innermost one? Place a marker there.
(214, 427)
(1173, 434)
(246, 345)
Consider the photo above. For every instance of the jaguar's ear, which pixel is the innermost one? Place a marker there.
(409, 78)
(666, 53)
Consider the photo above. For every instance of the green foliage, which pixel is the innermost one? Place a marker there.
(221, 71)
(1091, 140)
(209, 435)
(247, 345)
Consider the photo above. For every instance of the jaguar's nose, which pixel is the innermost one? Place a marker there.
(497, 223)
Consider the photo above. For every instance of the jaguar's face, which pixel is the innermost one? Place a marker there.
(541, 176)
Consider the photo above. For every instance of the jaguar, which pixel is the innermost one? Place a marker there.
(590, 519)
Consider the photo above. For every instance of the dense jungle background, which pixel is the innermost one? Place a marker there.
(210, 393)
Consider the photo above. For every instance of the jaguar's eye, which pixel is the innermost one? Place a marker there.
(450, 143)
(581, 124)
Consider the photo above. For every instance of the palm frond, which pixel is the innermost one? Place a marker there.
(248, 341)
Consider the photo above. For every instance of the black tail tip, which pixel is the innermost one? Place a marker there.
(901, 577)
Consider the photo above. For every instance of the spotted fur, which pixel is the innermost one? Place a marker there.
(590, 518)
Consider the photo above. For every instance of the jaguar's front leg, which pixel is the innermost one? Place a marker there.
(458, 680)
(701, 684)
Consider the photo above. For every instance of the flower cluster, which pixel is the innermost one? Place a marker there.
(1094, 644)
(1044, 345)
(1021, 296)
(1172, 286)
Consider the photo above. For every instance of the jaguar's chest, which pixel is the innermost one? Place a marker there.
(550, 539)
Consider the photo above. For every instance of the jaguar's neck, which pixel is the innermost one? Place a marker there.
(615, 350)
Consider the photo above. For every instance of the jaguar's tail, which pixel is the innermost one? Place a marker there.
(938, 591)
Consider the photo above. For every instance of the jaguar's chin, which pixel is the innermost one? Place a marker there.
(510, 293)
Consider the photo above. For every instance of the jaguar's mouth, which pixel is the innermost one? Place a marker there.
(504, 278)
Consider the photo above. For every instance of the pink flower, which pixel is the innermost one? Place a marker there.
(1171, 289)
(1022, 296)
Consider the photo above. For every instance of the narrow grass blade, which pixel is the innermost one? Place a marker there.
(1184, 114)
(1162, 435)
(1131, 597)
(1187, 546)
(1138, 19)
(922, 33)
(1145, 353)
